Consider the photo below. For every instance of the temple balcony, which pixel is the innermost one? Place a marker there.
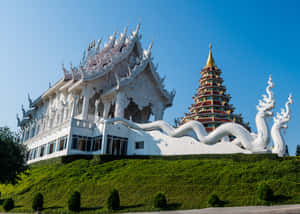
(43, 132)
(84, 125)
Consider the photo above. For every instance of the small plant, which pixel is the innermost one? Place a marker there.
(8, 204)
(38, 201)
(214, 201)
(265, 192)
(74, 202)
(160, 200)
(113, 201)
(298, 150)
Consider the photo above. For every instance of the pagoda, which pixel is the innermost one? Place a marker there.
(212, 106)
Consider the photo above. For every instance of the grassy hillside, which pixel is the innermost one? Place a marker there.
(187, 181)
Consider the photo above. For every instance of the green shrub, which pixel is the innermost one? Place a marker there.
(160, 200)
(113, 201)
(8, 204)
(74, 202)
(214, 201)
(265, 192)
(38, 201)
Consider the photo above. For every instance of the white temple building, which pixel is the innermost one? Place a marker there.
(103, 106)
(118, 80)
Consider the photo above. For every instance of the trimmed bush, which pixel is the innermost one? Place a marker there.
(113, 201)
(214, 201)
(38, 201)
(265, 192)
(74, 202)
(8, 204)
(160, 200)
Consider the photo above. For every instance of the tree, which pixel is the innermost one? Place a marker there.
(113, 201)
(214, 201)
(265, 192)
(8, 204)
(160, 200)
(38, 201)
(298, 150)
(12, 156)
(74, 202)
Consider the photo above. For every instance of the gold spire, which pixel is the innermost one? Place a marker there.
(210, 60)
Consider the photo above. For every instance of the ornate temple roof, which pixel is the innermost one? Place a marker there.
(99, 62)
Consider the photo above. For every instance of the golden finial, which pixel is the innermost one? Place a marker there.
(210, 60)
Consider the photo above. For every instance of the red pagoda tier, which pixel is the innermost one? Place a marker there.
(212, 106)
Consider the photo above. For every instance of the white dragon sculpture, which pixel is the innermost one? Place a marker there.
(280, 121)
(254, 142)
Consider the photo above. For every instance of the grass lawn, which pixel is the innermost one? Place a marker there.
(187, 181)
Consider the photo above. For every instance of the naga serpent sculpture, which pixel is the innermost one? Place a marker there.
(250, 141)
(280, 121)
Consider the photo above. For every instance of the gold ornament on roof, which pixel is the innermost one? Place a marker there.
(210, 60)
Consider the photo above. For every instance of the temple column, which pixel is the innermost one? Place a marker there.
(159, 115)
(75, 102)
(106, 109)
(29, 131)
(121, 103)
(97, 109)
(87, 93)
(158, 112)
(106, 104)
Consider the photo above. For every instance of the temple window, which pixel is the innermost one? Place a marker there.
(42, 151)
(139, 145)
(37, 130)
(116, 145)
(32, 132)
(62, 143)
(26, 135)
(88, 144)
(51, 147)
(97, 142)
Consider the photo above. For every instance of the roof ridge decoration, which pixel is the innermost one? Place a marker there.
(99, 60)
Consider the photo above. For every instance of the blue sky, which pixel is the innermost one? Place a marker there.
(251, 39)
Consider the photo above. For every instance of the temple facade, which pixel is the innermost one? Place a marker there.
(211, 102)
(113, 103)
(118, 80)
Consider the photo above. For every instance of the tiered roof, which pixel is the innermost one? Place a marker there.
(212, 106)
(100, 62)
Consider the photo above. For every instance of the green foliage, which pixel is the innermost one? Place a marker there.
(74, 202)
(186, 180)
(265, 192)
(214, 201)
(12, 156)
(8, 204)
(298, 150)
(38, 201)
(160, 200)
(113, 200)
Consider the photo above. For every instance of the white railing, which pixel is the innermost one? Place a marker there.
(57, 126)
(48, 130)
(82, 123)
